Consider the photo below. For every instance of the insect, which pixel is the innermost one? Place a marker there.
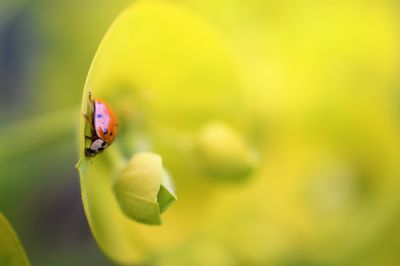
(104, 126)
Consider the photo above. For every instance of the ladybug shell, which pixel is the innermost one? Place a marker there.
(104, 121)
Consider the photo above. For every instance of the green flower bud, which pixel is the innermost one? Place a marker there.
(223, 153)
(144, 189)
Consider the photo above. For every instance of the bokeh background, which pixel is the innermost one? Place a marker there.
(317, 95)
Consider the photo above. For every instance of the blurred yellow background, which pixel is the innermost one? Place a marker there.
(278, 120)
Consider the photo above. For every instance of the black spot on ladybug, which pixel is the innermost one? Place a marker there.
(105, 131)
(111, 133)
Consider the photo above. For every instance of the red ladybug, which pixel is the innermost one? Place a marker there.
(104, 126)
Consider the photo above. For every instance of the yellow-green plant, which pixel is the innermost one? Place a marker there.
(277, 121)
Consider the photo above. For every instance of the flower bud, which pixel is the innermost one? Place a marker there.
(224, 154)
(143, 190)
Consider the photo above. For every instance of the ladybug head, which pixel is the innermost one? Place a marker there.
(97, 146)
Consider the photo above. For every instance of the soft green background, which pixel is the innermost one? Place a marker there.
(310, 88)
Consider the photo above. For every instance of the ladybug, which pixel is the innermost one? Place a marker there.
(104, 126)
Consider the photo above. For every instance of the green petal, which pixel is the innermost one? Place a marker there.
(11, 251)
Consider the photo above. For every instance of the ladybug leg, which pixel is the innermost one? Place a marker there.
(89, 121)
(87, 118)
(91, 105)
(91, 113)
(92, 138)
(89, 152)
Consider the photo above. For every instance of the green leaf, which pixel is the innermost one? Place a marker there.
(11, 251)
